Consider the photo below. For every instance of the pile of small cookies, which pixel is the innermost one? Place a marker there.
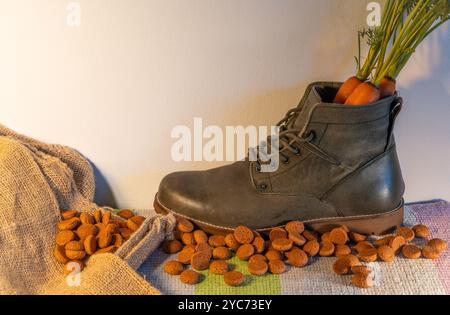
(290, 245)
(82, 234)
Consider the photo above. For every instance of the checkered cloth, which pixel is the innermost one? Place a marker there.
(402, 277)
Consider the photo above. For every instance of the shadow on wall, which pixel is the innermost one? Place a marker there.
(104, 195)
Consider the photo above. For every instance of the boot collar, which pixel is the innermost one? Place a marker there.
(315, 107)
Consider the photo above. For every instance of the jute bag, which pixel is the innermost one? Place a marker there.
(37, 181)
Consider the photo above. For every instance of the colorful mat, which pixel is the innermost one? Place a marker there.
(403, 277)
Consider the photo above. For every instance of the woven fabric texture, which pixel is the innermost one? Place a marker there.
(403, 276)
(37, 181)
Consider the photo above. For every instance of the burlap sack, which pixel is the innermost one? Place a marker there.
(37, 181)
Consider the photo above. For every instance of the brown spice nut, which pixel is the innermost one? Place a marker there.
(277, 233)
(245, 251)
(75, 250)
(135, 222)
(69, 224)
(119, 223)
(312, 248)
(231, 242)
(273, 254)
(60, 254)
(172, 246)
(87, 218)
(340, 267)
(104, 239)
(106, 217)
(173, 268)
(234, 278)
(343, 264)
(297, 238)
(421, 231)
(190, 277)
(310, 235)
(430, 252)
(362, 270)
(105, 250)
(258, 267)
(184, 225)
(297, 258)
(362, 245)
(221, 253)
(342, 250)
(326, 249)
(386, 253)
(339, 236)
(188, 239)
(368, 254)
(295, 227)
(218, 267)
(216, 240)
(185, 255)
(356, 237)
(200, 237)
(100, 227)
(64, 237)
(125, 214)
(243, 235)
(383, 241)
(438, 244)
(282, 244)
(259, 244)
(125, 232)
(112, 228)
(407, 233)
(85, 230)
(397, 243)
(257, 257)
(277, 267)
(117, 240)
(69, 214)
(98, 216)
(326, 237)
(204, 248)
(90, 244)
(73, 267)
(411, 251)
(353, 260)
(362, 281)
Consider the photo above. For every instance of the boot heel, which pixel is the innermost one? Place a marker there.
(378, 224)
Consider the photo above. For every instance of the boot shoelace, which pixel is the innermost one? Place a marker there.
(290, 140)
(287, 141)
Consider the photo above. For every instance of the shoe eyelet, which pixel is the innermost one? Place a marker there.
(296, 151)
(286, 161)
(262, 186)
(312, 134)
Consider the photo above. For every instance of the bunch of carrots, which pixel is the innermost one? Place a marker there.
(404, 26)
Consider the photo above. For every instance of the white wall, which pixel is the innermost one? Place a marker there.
(115, 86)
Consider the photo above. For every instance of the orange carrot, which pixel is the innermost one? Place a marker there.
(387, 87)
(347, 89)
(366, 93)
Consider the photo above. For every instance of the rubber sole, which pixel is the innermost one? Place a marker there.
(377, 224)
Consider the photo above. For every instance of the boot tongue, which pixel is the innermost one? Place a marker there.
(310, 102)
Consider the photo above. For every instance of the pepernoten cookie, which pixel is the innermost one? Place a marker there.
(234, 278)
(269, 252)
(243, 235)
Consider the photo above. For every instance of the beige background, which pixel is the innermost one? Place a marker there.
(115, 86)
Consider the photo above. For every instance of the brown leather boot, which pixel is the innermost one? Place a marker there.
(338, 166)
